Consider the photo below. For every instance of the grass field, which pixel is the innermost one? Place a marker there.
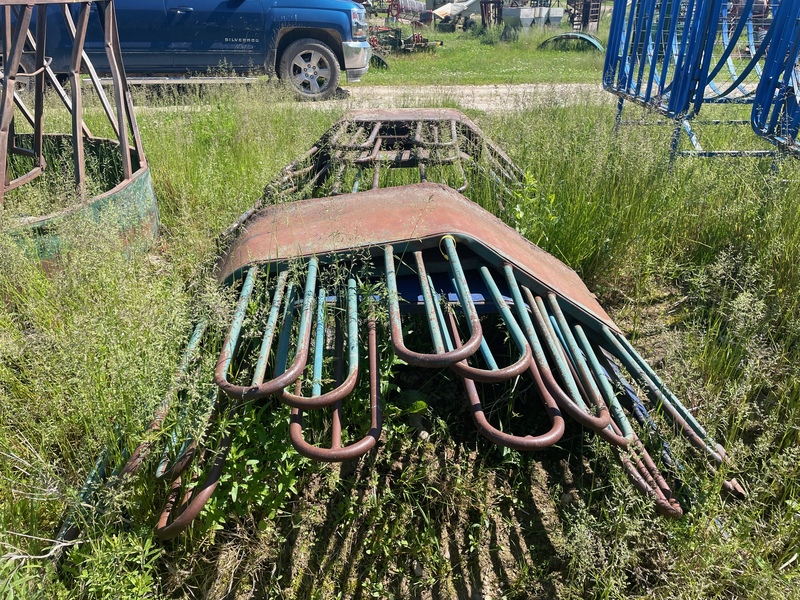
(468, 59)
(696, 260)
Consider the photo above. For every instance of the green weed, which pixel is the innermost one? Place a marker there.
(696, 261)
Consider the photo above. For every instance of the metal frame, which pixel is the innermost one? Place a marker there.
(24, 33)
(487, 304)
(674, 57)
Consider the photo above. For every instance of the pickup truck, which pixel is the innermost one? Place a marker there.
(307, 43)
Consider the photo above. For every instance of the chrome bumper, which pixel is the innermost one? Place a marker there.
(356, 59)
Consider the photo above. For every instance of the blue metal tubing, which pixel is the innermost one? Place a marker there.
(725, 58)
(440, 358)
(318, 399)
(283, 376)
(776, 114)
(672, 70)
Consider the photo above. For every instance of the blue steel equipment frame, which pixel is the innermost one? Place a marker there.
(673, 56)
(776, 114)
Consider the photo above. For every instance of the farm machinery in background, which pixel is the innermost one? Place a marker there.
(391, 40)
(464, 14)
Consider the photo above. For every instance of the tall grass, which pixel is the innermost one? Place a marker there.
(696, 260)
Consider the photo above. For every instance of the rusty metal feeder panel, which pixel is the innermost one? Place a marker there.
(372, 149)
(127, 193)
(321, 281)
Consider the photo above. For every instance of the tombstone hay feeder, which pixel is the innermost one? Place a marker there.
(373, 260)
(674, 57)
(75, 175)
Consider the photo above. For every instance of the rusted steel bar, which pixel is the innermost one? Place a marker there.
(642, 478)
(337, 452)
(318, 399)
(610, 397)
(10, 70)
(487, 430)
(635, 406)
(55, 85)
(109, 25)
(690, 428)
(570, 401)
(77, 98)
(142, 451)
(38, 93)
(664, 400)
(175, 519)
(98, 87)
(132, 192)
(71, 527)
(581, 371)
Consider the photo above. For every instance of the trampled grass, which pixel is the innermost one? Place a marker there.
(695, 259)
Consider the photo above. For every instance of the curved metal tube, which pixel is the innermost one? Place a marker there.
(573, 35)
(337, 453)
(495, 374)
(584, 377)
(318, 400)
(301, 356)
(172, 522)
(571, 404)
(440, 358)
(645, 477)
(487, 430)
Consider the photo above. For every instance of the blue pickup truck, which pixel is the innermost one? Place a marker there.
(307, 43)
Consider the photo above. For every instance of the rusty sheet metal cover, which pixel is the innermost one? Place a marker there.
(417, 214)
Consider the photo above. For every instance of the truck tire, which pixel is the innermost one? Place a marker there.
(311, 68)
(25, 83)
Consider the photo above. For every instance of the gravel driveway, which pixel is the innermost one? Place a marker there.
(480, 97)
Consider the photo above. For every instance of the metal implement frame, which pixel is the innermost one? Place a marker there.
(674, 57)
(23, 34)
(320, 279)
(377, 143)
(574, 354)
